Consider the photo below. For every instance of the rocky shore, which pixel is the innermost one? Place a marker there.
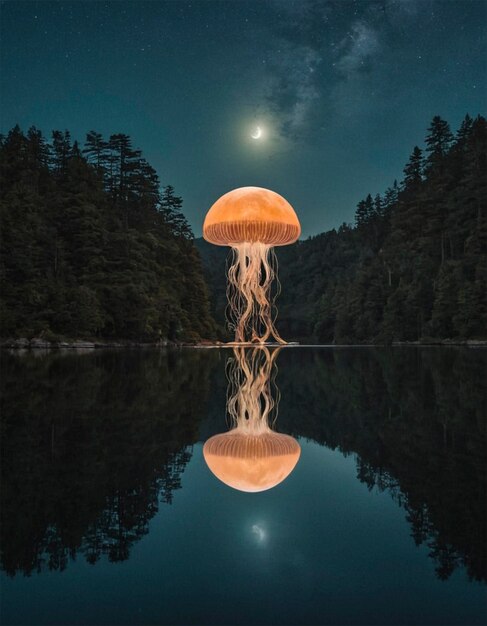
(40, 343)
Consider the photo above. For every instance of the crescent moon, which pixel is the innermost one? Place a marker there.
(257, 134)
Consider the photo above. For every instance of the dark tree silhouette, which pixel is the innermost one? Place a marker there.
(89, 245)
(414, 267)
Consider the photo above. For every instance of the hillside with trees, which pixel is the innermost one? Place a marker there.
(91, 246)
(413, 267)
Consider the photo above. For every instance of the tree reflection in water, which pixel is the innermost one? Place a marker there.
(93, 444)
(416, 420)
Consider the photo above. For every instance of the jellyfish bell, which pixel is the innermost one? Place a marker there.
(251, 215)
(251, 462)
(251, 456)
(252, 220)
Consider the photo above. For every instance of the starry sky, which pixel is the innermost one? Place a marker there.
(342, 90)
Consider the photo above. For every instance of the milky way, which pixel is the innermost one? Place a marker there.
(344, 90)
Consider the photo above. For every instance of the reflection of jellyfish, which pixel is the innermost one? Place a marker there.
(251, 456)
(252, 220)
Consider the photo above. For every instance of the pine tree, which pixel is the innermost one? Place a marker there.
(96, 150)
(413, 171)
(85, 254)
(61, 150)
(124, 161)
(364, 212)
(390, 199)
(361, 216)
(378, 206)
(170, 209)
(38, 149)
(438, 142)
(465, 130)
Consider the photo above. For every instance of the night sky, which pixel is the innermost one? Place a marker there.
(342, 91)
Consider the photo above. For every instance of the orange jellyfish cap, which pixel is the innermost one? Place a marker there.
(251, 462)
(251, 214)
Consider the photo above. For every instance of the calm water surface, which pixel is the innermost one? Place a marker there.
(110, 514)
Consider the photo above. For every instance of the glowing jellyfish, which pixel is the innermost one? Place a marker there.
(251, 456)
(252, 221)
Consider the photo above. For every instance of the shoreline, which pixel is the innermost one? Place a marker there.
(82, 344)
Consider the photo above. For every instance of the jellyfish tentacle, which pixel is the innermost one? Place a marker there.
(268, 301)
(250, 402)
(252, 456)
(251, 310)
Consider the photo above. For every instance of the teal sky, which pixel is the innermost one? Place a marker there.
(341, 90)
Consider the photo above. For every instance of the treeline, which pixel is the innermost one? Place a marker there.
(91, 246)
(414, 265)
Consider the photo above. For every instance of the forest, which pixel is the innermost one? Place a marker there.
(91, 246)
(413, 267)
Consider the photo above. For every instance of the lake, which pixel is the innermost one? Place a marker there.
(111, 514)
